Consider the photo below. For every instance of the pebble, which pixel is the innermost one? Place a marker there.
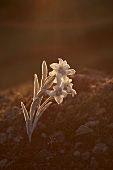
(62, 151)
(100, 148)
(93, 164)
(110, 126)
(43, 135)
(76, 154)
(3, 163)
(3, 138)
(45, 154)
(83, 129)
(85, 155)
(93, 123)
(58, 136)
(77, 145)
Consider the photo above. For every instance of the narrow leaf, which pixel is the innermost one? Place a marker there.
(36, 85)
(47, 100)
(49, 81)
(26, 116)
(33, 107)
(38, 106)
(38, 115)
(43, 109)
(44, 72)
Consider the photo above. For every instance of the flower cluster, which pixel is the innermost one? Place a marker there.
(62, 85)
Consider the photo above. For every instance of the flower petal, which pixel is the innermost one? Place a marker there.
(73, 92)
(68, 89)
(64, 93)
(51, 92)
(58, 99)
(54, 66)
(52, 73)
(66, 66)
(71, 72)
(62, 85)
(60, 61)
(55, 87)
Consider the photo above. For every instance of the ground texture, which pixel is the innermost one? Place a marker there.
(76, 135)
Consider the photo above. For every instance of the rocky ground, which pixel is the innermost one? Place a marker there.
(76, 135)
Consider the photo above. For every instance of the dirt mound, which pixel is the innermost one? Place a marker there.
(78, 134)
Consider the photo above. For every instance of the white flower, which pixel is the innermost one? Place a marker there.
(61, 69)
(58, 93)
(68, 86)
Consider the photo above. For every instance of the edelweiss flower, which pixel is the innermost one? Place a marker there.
(68, 86)
(58, 93)
(61, 69)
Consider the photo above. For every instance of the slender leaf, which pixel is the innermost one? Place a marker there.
(47, 100)
(26, 116)
(40, 114)
(49, 81)
(33, 107)
(36, 85)
(44, 72)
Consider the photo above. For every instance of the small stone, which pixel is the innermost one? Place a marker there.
(45, 154)
(83, 129)
(110, 141)
(62, 151)
(43, 135)
(77, 145)
(3, 163)
(3, 138)
(58, 136)
(93, 164)
(10, 129)
(85, 155)
(100, 148)
(93, 123)
(110, 126)
(76, 154)
(17, 139)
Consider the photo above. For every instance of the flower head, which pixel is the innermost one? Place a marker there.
(61, 69)
(58, 93)
(68, 86)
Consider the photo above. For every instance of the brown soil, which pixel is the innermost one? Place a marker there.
(76, 135)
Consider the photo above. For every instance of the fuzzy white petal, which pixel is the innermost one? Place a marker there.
(62, 85)
(60, 61)
(66, 67)
(70, 72)
(73, 92)
(54, 66)
(55, 87)
(58, 99)
(51, 92)
(64, 93)
(52, 73)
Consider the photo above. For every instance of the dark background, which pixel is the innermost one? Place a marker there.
(80, 31)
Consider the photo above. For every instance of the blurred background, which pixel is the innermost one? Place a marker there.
(80, 31)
